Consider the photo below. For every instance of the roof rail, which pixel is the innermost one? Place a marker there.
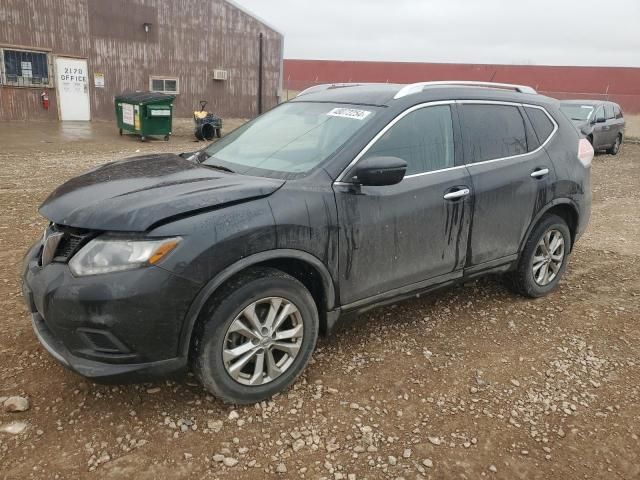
(328, 86)
(418, 87)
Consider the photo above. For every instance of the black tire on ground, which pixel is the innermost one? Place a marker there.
(221, 311)
(166, 138)
(207, 132)
(615, 149)
(120, 130)
(522, 281)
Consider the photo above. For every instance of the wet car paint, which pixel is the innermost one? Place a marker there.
(364, 245)
(133, 195)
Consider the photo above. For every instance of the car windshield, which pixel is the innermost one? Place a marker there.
(576, 111)
(290, 140)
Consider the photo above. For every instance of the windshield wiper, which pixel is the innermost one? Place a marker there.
(202, 156)
(218, 167)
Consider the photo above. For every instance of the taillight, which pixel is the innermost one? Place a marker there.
(585, 152)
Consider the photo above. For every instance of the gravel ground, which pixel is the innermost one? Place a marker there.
(469, 382)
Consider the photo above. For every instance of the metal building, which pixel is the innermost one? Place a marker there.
(619, 84)
(79, 54)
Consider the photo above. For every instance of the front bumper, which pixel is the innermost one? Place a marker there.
(118, 327)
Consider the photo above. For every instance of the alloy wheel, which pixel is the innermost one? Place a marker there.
(263, 341)
(548, 258)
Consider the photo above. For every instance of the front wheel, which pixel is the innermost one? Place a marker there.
(544, 258)
(256, 336)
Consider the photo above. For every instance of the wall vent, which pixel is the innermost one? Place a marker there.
(221, 75)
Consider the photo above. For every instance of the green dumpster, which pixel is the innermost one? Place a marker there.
(145, 114)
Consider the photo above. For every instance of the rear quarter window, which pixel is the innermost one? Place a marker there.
(541, 123)
(617, 112)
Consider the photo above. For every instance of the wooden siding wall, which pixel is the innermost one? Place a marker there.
(188, 39)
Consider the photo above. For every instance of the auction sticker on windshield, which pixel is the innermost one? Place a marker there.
(352, 113)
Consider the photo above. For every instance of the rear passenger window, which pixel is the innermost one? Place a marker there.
(542, 125)
(609, 111)
(493, 131)
(424, 139)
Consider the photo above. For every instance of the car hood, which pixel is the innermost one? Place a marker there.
(137, 193)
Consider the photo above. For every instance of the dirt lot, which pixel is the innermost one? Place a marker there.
(467, 383)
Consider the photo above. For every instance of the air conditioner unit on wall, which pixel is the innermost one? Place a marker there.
(222, 75)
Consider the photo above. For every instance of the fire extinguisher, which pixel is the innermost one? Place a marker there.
(44, 97)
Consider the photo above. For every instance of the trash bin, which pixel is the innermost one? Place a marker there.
(145, 114)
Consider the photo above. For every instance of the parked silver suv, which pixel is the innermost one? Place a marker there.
(602, 123)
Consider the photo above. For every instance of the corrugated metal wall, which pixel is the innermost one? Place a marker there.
(188, 39)
(618, 84)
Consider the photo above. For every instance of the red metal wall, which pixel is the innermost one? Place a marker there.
(619, 84)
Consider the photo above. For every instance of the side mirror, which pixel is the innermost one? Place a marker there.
(601, 120)
(380, 171)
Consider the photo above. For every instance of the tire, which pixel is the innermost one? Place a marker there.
(218, 332)
(525, 279)
(120, 131)
(207, 132)
(616, 146)
(166, 138)
(143, 138)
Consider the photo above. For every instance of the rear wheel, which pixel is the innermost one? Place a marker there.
(615, 149)
(544, 258)
(256, 336)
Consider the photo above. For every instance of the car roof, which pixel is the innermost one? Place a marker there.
(591, 103)
(384, 94)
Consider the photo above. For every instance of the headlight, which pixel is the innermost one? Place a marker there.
(105, 255)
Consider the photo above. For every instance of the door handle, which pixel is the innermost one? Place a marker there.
(542, 172)
(463, 192)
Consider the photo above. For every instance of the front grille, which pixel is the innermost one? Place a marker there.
(72, 240)
(69, 244)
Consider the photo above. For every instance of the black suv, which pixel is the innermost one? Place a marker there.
(232, 259)
(602, 123)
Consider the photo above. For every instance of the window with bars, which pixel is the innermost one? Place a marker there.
(164, 85)
(24, 68)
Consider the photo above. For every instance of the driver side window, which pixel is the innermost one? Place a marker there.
(423, 138)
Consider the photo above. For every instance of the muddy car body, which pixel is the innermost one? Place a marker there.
(240, 266)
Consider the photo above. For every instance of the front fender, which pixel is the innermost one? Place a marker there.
(212, 285)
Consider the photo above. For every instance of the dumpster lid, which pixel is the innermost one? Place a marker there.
(144, 97)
